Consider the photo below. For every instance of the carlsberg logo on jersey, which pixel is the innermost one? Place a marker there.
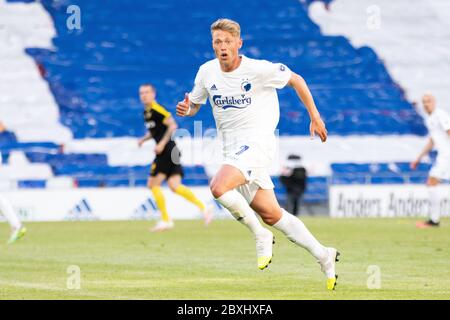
(240, 102)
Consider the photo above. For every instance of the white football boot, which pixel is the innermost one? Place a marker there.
(208, 214)
(162, 226)
(328, 267)
(264, 244)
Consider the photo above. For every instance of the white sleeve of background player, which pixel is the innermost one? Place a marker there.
(199, 94)
(444, 119)
(275, 75)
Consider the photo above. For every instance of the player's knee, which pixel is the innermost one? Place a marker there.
(173, 186)
(217, 190)
(152, 183)
(271, 216)
(269, 219)
(431, 182)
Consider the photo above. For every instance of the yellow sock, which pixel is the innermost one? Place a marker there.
(186, 193)
(161, 203)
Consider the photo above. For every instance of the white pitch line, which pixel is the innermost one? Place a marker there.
(47, 287)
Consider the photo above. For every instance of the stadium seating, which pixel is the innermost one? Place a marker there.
(411, 53)
(95, 72)
(92, 77)
(27, 106)
(378, 173)
(316, 190)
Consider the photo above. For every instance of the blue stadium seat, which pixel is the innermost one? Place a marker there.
(63, 159)
(48, 147)
(378, 173)
(316, 189)
(7, 138)
(98, 174)
(89, 183)
(348, 179)
(387, 180)
(31, 184)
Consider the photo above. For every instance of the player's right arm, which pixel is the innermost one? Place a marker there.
(192, 101)
(428, 147)
(186, 108)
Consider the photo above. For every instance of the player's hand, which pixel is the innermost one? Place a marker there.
(413, 165)
(159, 148)
(140, 142)
(183, 106)
(318, 126)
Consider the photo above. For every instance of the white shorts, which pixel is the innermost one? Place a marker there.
(253, 160)
(441, 169)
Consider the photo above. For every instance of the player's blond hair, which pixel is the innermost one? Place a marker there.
(227, 25)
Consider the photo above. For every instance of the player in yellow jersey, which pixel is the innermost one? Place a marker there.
(166, 166)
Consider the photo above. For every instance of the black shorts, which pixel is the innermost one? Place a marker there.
(168, 162)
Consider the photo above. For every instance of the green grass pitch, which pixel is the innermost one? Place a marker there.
(122, 260)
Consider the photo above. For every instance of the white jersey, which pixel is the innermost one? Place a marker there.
(244, 101)
(246, 110)
(438, 123)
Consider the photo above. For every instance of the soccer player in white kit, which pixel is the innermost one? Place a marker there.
(242, 93)
(17, 229)
(438, 124)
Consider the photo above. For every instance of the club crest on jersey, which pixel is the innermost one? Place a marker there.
(239, 102)
(150, 125)
(246, 86)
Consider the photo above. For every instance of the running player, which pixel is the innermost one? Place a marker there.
(242, 93)
(166, 166)
(438, 124)
(17, 229)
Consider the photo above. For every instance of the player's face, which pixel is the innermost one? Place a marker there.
(226, 47)
(146, 94)
(429, 103)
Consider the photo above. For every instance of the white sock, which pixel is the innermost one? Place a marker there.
(7, 210)
(240, 209)
(296, 231)
(435, 208)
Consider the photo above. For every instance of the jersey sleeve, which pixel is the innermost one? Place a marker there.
(274, 75)
(444, 119)
(199, 94)
(161, 111)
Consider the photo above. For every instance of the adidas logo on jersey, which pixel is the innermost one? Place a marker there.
(213, 87)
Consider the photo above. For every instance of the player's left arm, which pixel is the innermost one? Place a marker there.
(301, 88)
(171, 125)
